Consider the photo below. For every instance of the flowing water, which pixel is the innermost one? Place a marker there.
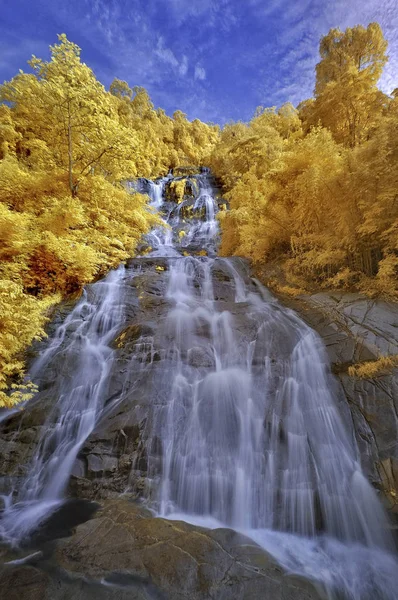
(82, 344)
(254, 434)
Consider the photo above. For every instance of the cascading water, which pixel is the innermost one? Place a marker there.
(82, 344)
(254, 437)
(156, 192)
(253, 434)
(160, 238)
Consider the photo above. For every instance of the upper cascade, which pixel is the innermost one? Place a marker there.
(188, 205)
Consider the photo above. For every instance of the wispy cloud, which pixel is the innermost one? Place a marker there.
(165, 54)
(15, 57)
(200, 73)
(183, 68)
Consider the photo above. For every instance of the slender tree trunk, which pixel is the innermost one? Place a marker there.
(70, 153)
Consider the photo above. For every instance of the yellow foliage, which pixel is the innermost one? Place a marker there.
(347, 100)
(316, 187)
(288, 290)
(66, 148)
(177, 188)
(374, 368)
(22, 318)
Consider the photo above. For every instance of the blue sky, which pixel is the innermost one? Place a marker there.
(213, 59)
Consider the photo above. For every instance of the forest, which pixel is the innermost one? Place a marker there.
(312, 190)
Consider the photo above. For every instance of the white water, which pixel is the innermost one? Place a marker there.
(160, 239)
(253, 434)
(258, 440)
(82, 343)
(156, 192)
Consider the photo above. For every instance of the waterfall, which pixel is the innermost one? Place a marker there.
(258, 439)
(82, 344)
(156, 192)
(253, 431)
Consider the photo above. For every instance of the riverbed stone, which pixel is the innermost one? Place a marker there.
(123, 552)
(23, 583)
(182, 561)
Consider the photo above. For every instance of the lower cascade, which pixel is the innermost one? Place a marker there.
(245, 426)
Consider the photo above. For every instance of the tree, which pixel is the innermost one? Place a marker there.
(65, 215)
(359, 48)
(64, 107)
(347, 100)
(316, 189)
(120, 89)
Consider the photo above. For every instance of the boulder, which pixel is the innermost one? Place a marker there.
(123, 552)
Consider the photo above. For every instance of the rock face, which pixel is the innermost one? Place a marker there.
(356, 329)
(123, 553)
(113, 460)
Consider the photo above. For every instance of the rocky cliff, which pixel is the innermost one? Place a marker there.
(357, 329)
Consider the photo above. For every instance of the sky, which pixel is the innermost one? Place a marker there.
(216, 60)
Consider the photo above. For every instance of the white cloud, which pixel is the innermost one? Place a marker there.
(163, 47)
(184, 10)
(297, 10)
(183, 68)
(298, 42)
(284, 61)
(166, 54)
(266, 8)
(13, 58)
(200, 73)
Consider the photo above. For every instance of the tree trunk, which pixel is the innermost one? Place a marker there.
(70, 154)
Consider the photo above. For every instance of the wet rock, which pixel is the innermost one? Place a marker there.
(185, 209)
(124, 546)
(142, 185)
(98, 463)
(151, 282)
(181, 560)
(103, 467)
(23, 583)
(132, 333)
(186, 171)
(62, 522)
(147, 262)
(200, 357)
(223, 285)
(354, 328)
(357, 329)
(18, 441)
(12, 455)
(39, 585)
(374, 406)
